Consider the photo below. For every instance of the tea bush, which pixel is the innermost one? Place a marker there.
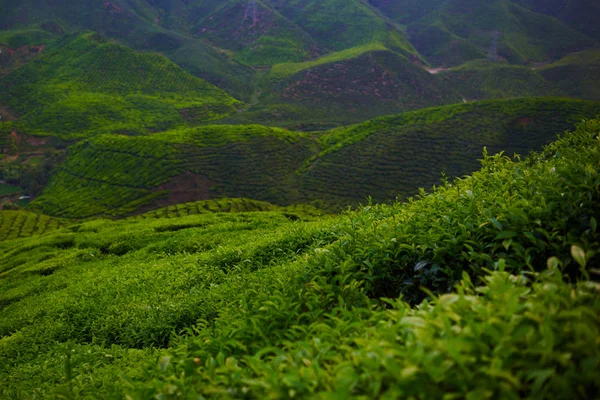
(486, 287)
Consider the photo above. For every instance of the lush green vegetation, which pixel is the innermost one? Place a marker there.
(19, 224)
(115, 175)
(462, 30)
(480, 288)
(85, 85)
(576, 74)
(230, 206)
(412, 150)
(345, 87)
(479, 80)
(288, 69)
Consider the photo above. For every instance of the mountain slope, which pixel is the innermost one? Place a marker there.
(346, 87)
(383, 158)
(393, 156)
(84, 85)
(478, 80)
(462, 30)
(580, 15)
(576, 74)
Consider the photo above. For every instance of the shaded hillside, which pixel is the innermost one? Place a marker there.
(462, 30)
(253, 305)
(383, 158)
(394, 156)
(581, 15)
(345, 87)
(577, 74)
(116, 175)
(478, 80)
(84, 85)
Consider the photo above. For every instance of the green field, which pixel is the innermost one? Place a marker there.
(484, 286)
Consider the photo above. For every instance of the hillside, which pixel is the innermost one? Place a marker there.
(345, 87)
(462, 30)
(115, 175)
(85, 85)
(483, 287)
(578, 14)
(478, 80)
(576, 74)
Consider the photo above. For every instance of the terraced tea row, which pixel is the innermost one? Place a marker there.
(383, 158)
(21, 224)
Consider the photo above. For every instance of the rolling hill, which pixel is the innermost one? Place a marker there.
(576, 74)
(478, 80)
(389, 157)
(85, 85)
(462, 30)
(344, 87)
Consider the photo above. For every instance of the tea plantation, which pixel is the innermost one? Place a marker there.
(484, 287)
(385, 158)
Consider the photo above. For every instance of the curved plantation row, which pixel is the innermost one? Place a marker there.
(229, 206)
(486, 287)
(20, 224)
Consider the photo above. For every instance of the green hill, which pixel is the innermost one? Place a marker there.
(345, 87)
(576, 74)
(478, 80)
(462, 30)
(136, 23)
(483, 287)
(85, 85)
(578, 14)
(115, 175)
(394, 156)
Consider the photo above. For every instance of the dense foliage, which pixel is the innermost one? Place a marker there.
(478, 289)
(116, 175)
(85, 85)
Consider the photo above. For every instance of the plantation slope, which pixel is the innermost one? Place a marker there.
(84, 85)
(462, 30)
(576, 74)
(231, 206)
(478, 80)
(116, 175)
(20, 224)
(252, 305)
(578, 14)
(142, 25)
(346, 87)
(394, 156)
